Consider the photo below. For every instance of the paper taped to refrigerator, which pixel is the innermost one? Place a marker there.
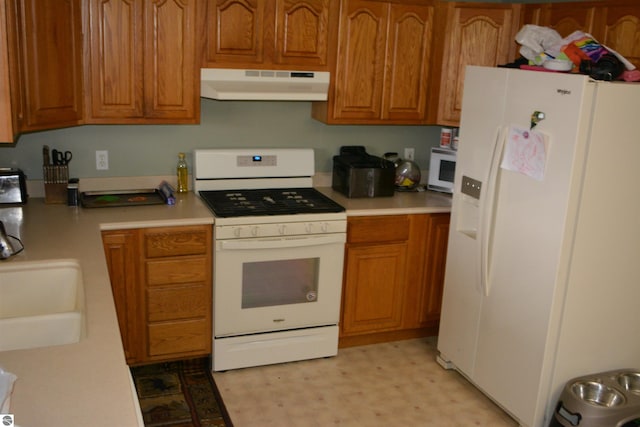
(525, 152)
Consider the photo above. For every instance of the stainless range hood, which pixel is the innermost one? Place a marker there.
(280, 85)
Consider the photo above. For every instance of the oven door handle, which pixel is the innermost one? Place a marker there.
(281, 242)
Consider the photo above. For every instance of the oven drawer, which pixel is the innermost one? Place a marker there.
(179, 337)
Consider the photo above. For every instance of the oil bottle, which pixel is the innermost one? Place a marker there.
(183, 174)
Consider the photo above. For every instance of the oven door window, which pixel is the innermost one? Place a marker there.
(272, 283)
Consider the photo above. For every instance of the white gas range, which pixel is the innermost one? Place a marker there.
(278, 256)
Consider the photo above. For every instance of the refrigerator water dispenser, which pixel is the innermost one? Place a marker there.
(469, 213)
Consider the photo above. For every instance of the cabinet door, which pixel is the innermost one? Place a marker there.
(142, 61)
(235, 32)
(50, 44)
(120, 248)
(302, 33)
(172, 79)
(475, 34)
(407, 68)
(620, 29)
(566, 18)
(357, 93)
(375, 274)
(115, 64)
(374, 288)
(6, 114)
(435, 258)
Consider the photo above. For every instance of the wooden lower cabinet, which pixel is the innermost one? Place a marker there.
(433, 259)
(161, 282)
(120, 249)
(394, 273)
(375, 277)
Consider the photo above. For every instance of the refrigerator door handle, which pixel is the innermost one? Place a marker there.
(488, 209)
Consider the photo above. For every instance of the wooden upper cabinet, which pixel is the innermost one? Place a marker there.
(116, 54)
(6, 113)
(619, 28)
(359, 74)
(382, 65)
(614, 23)
(48, 48)
(277, 34)
(474, 34)
(566, 18)
(302, 33)
(408, 56)
(170, 61)
(142, 62)
(235, 32)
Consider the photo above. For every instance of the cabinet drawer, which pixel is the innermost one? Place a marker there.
(179, 337)
(185, 302)
(392, 228)
(184, 270)
(163, 242)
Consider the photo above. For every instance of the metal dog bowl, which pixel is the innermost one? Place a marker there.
(597, 393)
(630, 381)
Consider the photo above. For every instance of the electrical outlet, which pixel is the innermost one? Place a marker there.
(409, 153)
(102, 160)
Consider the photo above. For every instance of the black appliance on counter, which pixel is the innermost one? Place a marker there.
(359, 174)
(13, 186)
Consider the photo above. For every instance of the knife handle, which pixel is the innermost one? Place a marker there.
(46, 159)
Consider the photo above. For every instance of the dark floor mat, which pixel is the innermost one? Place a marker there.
(180, 394)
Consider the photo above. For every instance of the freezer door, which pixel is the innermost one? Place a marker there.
(526, 237)
(482, 117)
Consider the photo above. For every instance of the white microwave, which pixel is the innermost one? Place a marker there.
(442, 169)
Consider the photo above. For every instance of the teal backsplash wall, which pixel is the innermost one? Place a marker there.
(148, 150)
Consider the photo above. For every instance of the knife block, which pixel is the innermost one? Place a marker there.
(55, 183)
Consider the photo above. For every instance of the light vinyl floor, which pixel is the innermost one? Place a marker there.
(389, 384)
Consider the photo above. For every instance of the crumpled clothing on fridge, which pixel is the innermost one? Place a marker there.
(539, 43)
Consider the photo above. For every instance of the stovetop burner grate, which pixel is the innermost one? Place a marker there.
(272, 201)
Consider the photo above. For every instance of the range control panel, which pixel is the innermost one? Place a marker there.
(257, 160)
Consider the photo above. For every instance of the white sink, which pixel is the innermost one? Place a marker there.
(41, 304)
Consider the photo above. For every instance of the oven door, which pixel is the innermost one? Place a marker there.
(270, 284)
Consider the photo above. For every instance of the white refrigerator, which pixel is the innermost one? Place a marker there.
(542, 280)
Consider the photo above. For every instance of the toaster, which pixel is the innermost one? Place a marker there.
(358, 174)
(13, 186)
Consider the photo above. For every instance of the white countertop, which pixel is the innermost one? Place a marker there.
(88, 383)
(398, 204)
